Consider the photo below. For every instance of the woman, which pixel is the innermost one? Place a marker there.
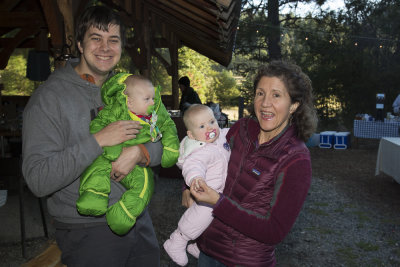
(269, 172)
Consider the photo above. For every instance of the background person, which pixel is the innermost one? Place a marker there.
(189, 95)
(396, 105)
(58, 147)
(269, 172)
(204, 154)
(127, 97)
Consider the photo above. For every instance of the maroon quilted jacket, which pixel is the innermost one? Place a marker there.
(264, 192)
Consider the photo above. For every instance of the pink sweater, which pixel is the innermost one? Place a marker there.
(206, 160)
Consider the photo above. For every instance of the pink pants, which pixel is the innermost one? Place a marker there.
(195, 220)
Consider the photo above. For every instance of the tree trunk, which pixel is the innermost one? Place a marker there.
(274, 47)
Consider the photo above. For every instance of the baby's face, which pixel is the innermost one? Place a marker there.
(140, 97)
(204, 127)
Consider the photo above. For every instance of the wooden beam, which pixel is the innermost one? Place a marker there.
(65, 6)
(54, 23)
(21, 19)
(7, 5)
(11, 46)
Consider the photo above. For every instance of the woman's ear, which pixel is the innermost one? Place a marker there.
(293, 107)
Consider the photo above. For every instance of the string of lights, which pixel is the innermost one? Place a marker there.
(380, 41)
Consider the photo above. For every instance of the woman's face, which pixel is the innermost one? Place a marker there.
(272, 106)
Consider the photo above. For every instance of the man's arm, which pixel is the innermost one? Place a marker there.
(136, 155)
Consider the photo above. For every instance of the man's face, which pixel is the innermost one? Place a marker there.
(100, 50)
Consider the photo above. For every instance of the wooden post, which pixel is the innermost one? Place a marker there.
(173, 50)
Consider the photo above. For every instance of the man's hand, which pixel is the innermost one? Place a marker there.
(117, 132)
(129, 158)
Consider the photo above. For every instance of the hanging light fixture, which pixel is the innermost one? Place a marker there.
(65, 54)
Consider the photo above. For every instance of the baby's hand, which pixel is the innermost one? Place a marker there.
(195, 184)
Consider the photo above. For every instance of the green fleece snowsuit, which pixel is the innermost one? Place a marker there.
(95, 180)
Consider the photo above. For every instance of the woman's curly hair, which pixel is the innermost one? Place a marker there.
(299, 87)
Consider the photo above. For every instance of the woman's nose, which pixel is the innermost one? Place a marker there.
(266, 101)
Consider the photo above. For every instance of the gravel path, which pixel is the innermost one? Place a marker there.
(350, 218)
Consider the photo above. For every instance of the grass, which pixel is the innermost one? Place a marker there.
(348, 256)
(362, 216)
(318, 212)
(366, 246)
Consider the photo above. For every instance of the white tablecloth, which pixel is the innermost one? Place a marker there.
(376, 129)
(388, 160)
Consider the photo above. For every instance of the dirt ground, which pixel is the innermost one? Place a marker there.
(350, 218)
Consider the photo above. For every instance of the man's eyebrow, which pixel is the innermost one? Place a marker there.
(99, 35)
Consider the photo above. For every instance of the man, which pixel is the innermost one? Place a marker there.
(57, 148)
(189, 95)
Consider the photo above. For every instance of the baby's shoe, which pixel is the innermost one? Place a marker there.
(194, 250)
(175, 246)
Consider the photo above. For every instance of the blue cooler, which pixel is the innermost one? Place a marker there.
(313, 140)
(342, 140)
(326, 139)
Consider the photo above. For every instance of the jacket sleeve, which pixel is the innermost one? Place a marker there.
(290, 190)
(169, 140)
(195, 165)
(49, 164)
(105, 117)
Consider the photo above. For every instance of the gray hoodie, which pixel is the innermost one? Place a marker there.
(57, 145)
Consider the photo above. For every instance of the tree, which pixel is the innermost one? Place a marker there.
(14, 75)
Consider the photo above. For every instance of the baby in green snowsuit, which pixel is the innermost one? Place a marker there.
(127, 97)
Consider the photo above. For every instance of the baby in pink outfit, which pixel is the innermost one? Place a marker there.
(204, 154)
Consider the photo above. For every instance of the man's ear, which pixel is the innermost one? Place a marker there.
(80, 47)
(293, 107)
(189, 133)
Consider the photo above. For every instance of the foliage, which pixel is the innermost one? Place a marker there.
(225, 88)
(13, 76)
(349, 55)
(209, 79)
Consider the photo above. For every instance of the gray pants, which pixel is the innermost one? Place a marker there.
(99, 246)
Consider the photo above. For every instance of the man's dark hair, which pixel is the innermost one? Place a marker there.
(99, 17)
(184, 81)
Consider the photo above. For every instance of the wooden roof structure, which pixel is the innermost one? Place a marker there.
(206, 26)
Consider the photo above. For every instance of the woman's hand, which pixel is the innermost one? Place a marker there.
(129, 158)
(203, 193)
(117, 132)
(187, 199)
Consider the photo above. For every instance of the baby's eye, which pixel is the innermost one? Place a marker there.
(213, 121)
(201, 126)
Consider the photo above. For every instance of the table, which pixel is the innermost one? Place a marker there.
(376, 129)
(389, 157)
